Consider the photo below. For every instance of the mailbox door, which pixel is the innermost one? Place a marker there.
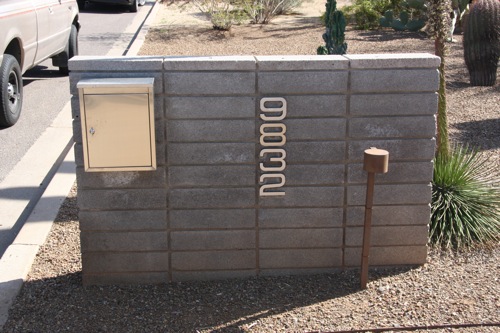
(118, 131)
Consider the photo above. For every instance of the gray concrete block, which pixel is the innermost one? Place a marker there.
(210, 153)
(314, 174)
(400, 127)
(120, 179)
(78, 149)
(211, 131)
(213, 260)
(300, 258)
(210, 63)
(160, 129)
(315, 152)
(122, 199)
(212, 198)
(316, 106)
(212, 275)
(210, 107)
(128, 278)
(213, 240)
(75, 106)
(301, 62)
(399, 172)
(315, 129)
(77, 131)
(399, 150)
(212, 219)
(207, 175)
(306, 197)
(297, 271)
(388, 235)
(124, 241)
(412, 194)
(388, 256)
(115, 64)
(302, 82)
(204, 198)
(300, 217)
(390, 215)
(161, 152)
(159, 111)
(218, 83)
(117, 262)
(74, 78)
(123, 220)
(394, 104)
(300, 238)
(393, 60)
(395, 80)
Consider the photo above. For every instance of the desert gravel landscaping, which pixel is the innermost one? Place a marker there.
(453, 292)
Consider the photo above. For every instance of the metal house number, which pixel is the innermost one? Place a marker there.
(272, 140)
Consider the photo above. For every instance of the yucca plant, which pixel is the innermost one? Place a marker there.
(465, 200)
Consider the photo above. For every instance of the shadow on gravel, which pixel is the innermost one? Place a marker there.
(474, 133)
(388, 35)
(62, 304)
(213, 306)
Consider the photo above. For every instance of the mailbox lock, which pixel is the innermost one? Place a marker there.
(92, 131)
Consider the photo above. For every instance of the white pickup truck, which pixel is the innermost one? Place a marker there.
(32, 31)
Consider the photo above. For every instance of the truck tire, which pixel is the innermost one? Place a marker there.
(71, 49)
(11, 93)
(133, 7)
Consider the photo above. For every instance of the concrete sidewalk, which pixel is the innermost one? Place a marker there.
(56, 143)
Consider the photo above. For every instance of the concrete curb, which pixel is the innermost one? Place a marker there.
(141, 35)
(16, 262)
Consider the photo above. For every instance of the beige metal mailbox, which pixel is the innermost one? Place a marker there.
(117, 117)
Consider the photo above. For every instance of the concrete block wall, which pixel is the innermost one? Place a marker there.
(200, 215)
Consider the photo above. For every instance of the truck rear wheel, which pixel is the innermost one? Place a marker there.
(11, 93)
(133, 7)
(71, 50)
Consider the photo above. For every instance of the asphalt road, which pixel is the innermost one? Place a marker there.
(106, 30)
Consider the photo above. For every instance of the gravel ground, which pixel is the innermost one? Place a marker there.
(451, 289)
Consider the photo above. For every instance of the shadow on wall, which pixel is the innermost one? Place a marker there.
(214, 306)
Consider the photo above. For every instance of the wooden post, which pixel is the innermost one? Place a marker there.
(375, 161)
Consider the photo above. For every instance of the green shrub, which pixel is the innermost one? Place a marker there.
(263, 11)
(411, 16)
(465, 201)
(365, 14)
(222, 13)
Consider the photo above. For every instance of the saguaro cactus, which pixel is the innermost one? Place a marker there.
(334, 36)
(482, 42)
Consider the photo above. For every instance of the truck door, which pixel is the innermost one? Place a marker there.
(18, 21)
(53, 27)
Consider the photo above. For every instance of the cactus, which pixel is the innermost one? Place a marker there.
(482, 42)
(411, 18)
(334, 36)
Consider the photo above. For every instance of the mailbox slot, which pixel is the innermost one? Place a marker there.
(117, 120)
